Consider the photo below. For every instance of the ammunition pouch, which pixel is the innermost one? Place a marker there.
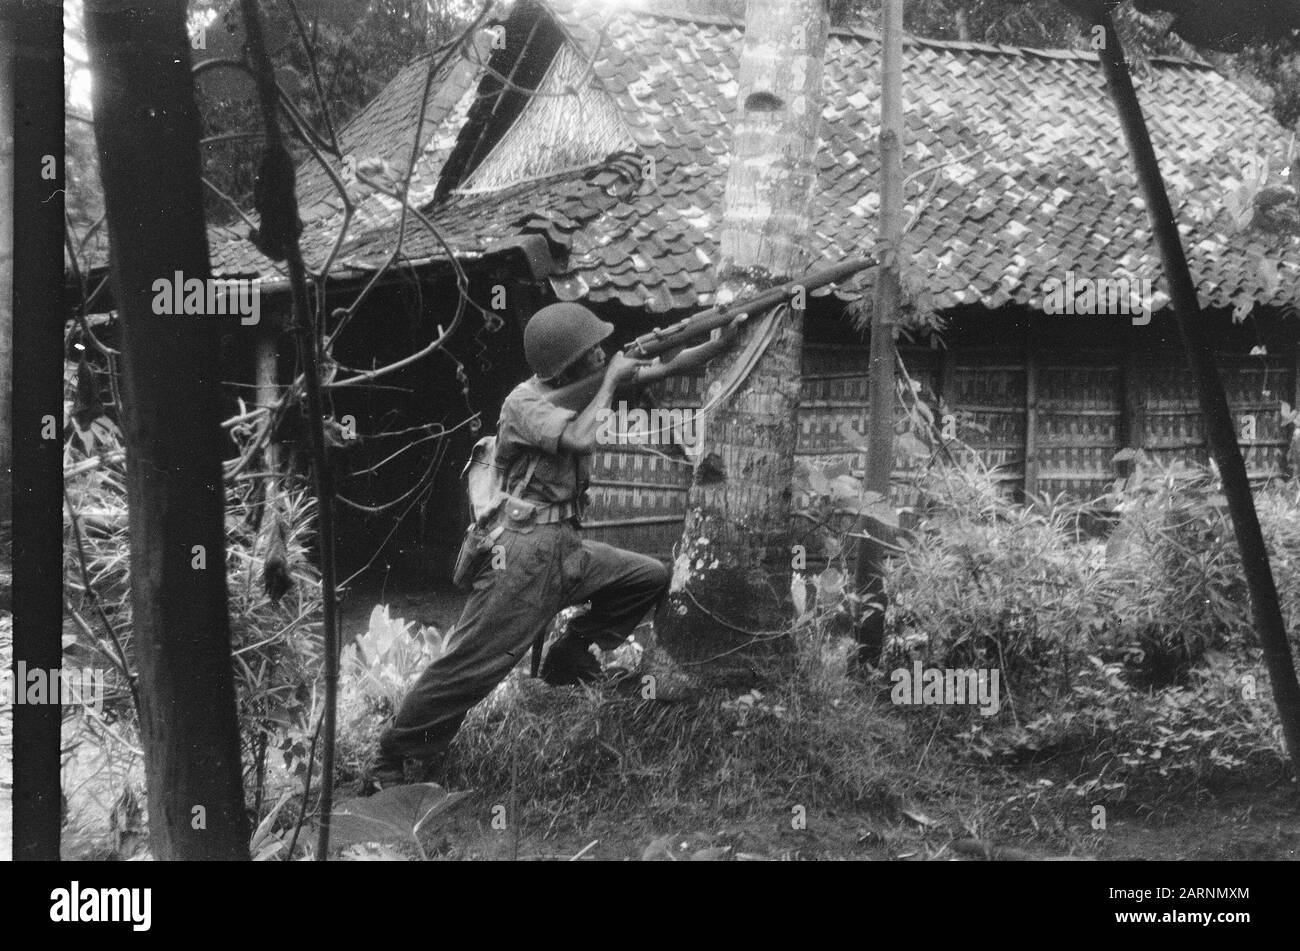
(475, 550)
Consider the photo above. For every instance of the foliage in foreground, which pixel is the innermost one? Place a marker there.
(1120, 629)
(274, 640)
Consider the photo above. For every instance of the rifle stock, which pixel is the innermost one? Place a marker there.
(698, 327)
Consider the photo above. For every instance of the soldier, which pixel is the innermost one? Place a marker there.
(545, 452)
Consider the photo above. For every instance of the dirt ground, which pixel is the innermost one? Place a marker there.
(1238, 825)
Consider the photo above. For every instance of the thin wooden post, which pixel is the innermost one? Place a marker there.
(1292, 458)
(1132, 402)
(266, 370)
(940, 370)
(278, 217)
(6, 264)
(1031, 411)
(1220, 433)
(870, 568)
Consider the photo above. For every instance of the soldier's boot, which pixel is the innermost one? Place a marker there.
(570, 662)
(388, 771)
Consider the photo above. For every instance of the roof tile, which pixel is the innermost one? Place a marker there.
(1025, 192)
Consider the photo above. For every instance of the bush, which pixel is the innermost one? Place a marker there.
(983, 582)
(1181, 590)
(275, 641)
(1136, 655)
(1279, 515)
(376, 671)
(1114, 737)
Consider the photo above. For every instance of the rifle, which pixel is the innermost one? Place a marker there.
(669, 342)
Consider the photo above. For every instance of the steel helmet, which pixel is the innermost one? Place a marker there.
(559, 334)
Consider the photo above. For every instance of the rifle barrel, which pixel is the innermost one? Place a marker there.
(578, 394)
(675, 335)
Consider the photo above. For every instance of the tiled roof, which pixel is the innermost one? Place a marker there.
(1019, 169)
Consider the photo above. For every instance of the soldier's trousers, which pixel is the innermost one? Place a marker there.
(542, 569)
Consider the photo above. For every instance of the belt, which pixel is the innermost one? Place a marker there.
(548, 513)
(557, 512)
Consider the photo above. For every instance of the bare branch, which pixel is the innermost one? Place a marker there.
(462, 287)
(435, 66)
(310, 49)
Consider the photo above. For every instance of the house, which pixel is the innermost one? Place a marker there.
(606, 187)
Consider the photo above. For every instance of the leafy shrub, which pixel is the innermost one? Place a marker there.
(1278, 506)
(1181, 590)
(1119, 737)
(983, 582)
(377, 669)
(275, 641)
(1136, 655)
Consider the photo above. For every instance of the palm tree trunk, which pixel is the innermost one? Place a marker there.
(731, 578)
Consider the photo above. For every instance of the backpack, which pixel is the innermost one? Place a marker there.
(485, 480)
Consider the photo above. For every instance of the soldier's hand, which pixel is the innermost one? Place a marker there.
(623, 369)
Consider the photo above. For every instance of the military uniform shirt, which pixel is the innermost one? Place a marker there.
(530, 423)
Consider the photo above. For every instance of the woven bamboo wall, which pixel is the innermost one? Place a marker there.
(1077, 407)
(1171, 421)
(638, 493)
(834, 409)
(1255, 386)
(1050, 416)
(984, 388)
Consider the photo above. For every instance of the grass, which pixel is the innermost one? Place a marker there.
(817, 738)
(877, 781)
